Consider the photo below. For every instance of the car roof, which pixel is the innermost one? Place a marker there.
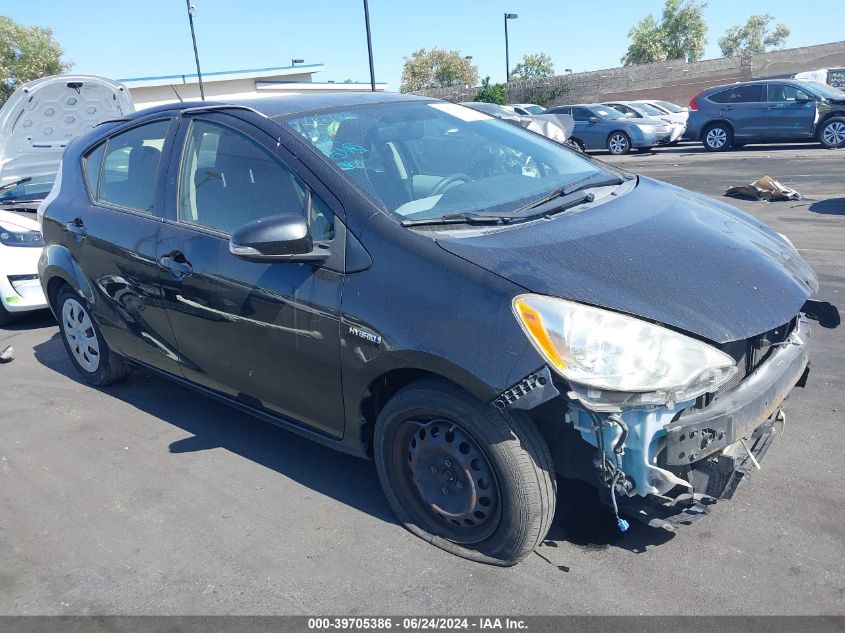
(795, 82)
(284, 105)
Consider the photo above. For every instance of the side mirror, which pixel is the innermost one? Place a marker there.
(593, 119)
(283, 237)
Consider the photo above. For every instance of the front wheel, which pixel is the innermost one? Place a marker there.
(88, 351)
(463, 476)
(832, 134)
(618, 143)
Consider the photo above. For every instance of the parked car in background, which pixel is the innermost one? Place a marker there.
(527, 108)
(767, 111)
(601, 127)
(831, 76)
(37, 123)
(641, 110)
(20, 247)
(471, 305)
(557, 127)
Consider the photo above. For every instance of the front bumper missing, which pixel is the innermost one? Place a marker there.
(697, 434)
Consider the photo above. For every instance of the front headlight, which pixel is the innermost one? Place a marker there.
(603, 351)
(20, 238)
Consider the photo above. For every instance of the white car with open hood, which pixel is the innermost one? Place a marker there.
(36, 125)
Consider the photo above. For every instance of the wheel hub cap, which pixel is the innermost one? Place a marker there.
(80, 335)
(716, 137)
(834, 134)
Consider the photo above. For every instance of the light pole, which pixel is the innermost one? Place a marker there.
(370, 46)
(194, 40)
(508, 16)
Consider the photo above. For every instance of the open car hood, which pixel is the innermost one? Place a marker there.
(43, 116)
(660, 253)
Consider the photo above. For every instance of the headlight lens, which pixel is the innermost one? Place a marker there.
(605, 350)
(20, 238)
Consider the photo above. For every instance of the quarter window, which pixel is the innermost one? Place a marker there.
(129, 175)
(93, 162)
(227, 180)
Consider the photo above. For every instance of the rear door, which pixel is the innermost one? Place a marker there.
(112, 233)
(742, 107)
(789, 112)
(266, 334)
(592, 134)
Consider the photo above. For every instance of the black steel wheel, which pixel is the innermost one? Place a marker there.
(465, 477)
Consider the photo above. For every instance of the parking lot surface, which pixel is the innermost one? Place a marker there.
(146, 497)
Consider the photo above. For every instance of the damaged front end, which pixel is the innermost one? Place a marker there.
(657, 457)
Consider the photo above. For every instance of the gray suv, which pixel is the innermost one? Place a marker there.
(769, 111)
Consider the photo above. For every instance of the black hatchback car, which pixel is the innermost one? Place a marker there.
(775, 110)
(474, 307)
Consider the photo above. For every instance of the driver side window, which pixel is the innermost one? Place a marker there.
(227, 180)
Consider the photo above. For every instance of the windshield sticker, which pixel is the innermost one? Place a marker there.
(460, 112)
(349, 156)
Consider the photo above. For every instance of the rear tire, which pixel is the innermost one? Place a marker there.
(84, 343)
(618, 143)
(832, 133)
(717, 137)
(459, 474)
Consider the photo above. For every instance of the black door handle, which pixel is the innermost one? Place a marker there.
(77, 228)
(176, 263)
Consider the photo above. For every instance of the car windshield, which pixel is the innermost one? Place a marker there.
(666, 105)
(648, 109)
(823, 90)
(426, 160)
(493, 109)
(34, 188)
(609, 113)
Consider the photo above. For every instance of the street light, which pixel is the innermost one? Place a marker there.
(370, 46)
(294, 62)
(468, 58)
(508, 16)
(191, 10)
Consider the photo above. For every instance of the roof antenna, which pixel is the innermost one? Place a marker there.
(191, 10)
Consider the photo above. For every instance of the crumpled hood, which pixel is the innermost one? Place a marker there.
(661, 253)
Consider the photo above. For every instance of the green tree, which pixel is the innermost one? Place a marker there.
(753, 37)
(437, 68)
(492, 93)
(680, 34)
(533, 66)
(26, 53)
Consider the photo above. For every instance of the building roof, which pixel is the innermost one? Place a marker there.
(225, 75)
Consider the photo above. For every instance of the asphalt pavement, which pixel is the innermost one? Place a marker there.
(147, 498)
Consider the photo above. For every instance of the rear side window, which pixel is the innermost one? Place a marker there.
(227, 180)
(739, 94)
(129, 176)
(92, 164)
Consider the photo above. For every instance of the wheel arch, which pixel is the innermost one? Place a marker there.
(58, 267)
(713, 122)
(826, 118)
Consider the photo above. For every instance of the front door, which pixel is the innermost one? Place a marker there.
(789, 112)
(264, 333)
(590, 133)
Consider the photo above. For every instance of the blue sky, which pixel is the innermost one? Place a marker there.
(121, 39)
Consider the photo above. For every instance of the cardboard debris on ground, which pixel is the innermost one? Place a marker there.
(765, 188)
(7, 355)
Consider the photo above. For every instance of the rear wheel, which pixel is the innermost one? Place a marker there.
(717, 137)
(832, 134)
(85, 346)
(618, 143)
(462, 476)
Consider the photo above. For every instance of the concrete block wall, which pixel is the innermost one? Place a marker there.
(674, 80)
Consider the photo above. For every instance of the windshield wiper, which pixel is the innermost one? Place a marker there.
(597, 180)
(459, 218)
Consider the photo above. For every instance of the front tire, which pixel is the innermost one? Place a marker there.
(618, 143)
(717, 137)
(84, 343)
(463, 476)
(832, 134)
